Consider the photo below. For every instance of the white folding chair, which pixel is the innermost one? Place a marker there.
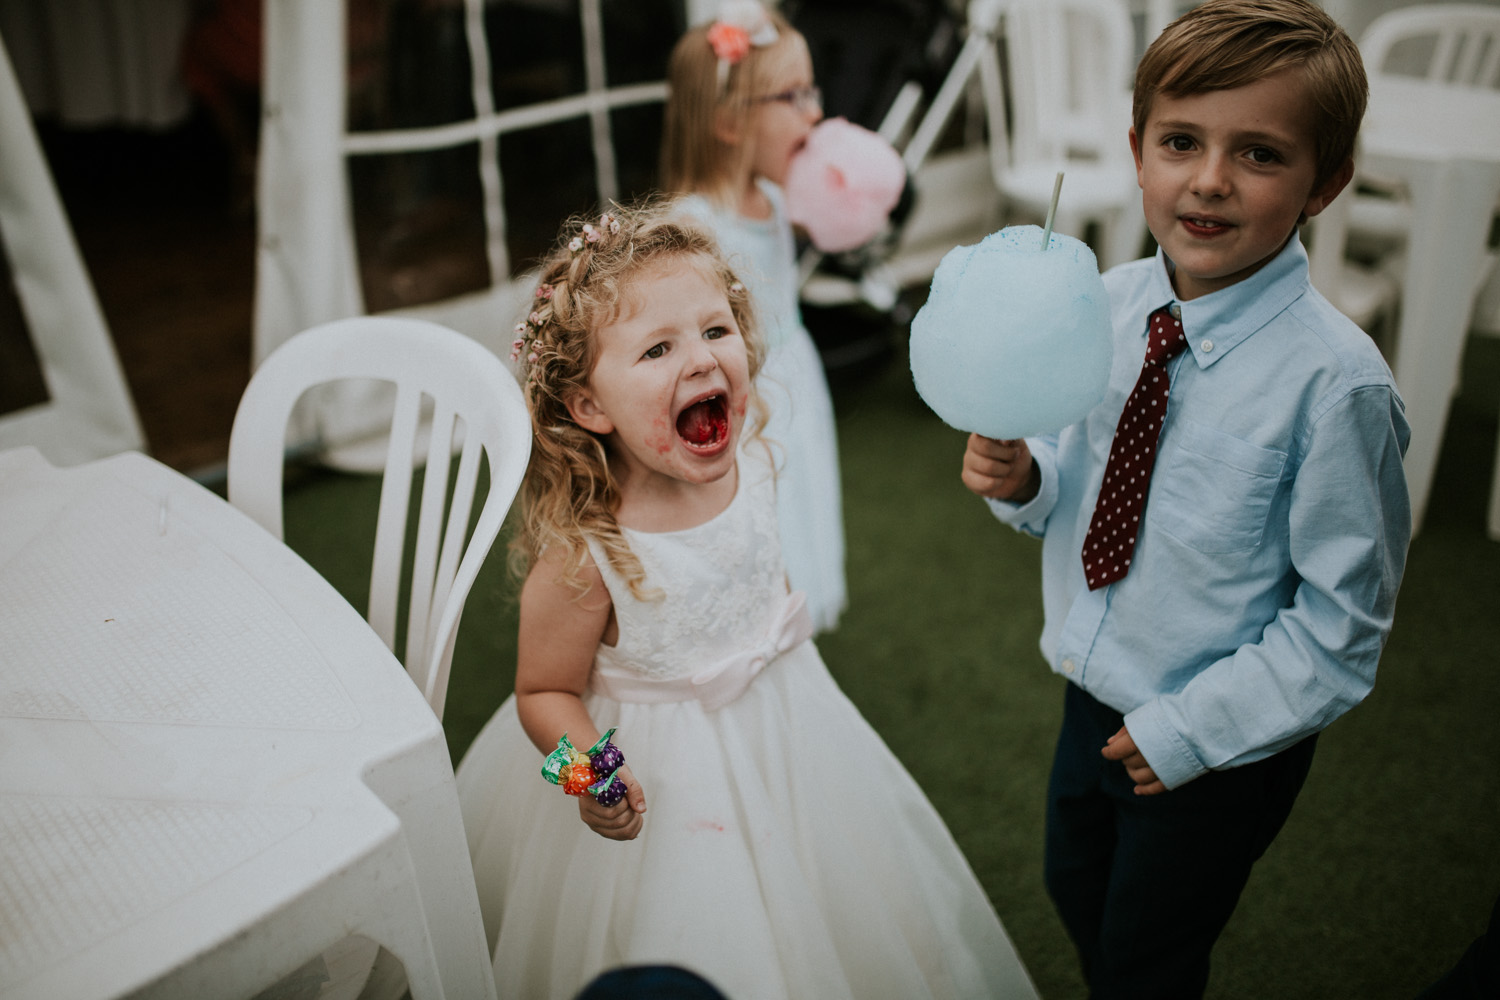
(472, 394)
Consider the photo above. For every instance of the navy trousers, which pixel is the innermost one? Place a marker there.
(1146, 883)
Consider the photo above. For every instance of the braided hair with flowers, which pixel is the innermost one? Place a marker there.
(569, 493)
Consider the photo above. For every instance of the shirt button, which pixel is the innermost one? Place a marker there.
(1207, 346)
(1068, 666)
(1176, 311)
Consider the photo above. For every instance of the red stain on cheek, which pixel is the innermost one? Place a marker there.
(663, 437)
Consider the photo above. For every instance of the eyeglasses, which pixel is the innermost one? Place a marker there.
(804, 99)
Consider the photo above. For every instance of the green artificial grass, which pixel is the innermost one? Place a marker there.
(1388, 866)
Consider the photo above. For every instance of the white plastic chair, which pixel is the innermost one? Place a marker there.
(1456, 45)
(1069, 66)
(1067, 84)
(474, 399)
(1452, 45)
(471, 392)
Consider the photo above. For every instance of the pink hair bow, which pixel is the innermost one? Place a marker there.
(741, 24)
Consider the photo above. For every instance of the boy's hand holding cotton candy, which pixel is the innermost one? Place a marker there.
(1014, 341)
(842, 185)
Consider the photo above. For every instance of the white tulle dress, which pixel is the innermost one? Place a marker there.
(801, 426)
(786, 853)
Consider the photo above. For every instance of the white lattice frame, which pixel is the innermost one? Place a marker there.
(306, 260)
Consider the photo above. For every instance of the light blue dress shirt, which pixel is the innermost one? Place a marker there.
(1265, 574)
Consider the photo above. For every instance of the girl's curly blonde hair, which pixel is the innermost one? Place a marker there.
(569, 494)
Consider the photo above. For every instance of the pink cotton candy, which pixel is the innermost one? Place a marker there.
(842, 185)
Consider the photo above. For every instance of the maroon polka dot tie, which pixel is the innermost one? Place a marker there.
(1110, 541)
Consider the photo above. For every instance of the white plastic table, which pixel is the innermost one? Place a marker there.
(198, 737)
(1444, 143)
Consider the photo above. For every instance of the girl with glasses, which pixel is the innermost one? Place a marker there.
(742, 104)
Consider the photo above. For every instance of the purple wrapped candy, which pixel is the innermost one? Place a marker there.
(610, 790)
(604, 756)
(607, 760)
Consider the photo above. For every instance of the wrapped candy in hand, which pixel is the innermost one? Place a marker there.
(842, 185)
(555, 766)
(579, 777)
(609, 790)
(577, 771)
(605, 757)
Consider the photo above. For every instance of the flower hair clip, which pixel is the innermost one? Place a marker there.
(593, 234)
(607, 224)
(530, 328)
(741, 25)
(526, 332)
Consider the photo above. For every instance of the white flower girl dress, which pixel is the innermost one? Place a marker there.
(785, 851)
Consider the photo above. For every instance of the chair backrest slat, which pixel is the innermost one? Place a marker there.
(429, 525)
(390, 523)
(464, 488)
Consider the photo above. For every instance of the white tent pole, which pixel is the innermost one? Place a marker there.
(306, 267)
(605, 174)
(490, 180)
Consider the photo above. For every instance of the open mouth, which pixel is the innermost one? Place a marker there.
(705, 423)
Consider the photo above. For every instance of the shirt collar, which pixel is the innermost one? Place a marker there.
(1218, 322)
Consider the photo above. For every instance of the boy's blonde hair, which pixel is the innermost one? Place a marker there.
(568, 493)
(694, 159)
(1223, 44)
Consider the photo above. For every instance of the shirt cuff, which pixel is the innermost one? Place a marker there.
(1031, 516)
(1165, 750)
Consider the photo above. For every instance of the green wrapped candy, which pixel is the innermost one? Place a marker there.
(557, 760)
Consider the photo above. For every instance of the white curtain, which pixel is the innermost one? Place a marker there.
(99, 62)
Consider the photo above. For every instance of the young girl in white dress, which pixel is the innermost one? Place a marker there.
(768, 839)
(741, 104)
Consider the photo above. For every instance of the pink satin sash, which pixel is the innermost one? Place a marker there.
(723, 682)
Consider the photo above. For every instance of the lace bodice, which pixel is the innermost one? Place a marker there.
(720, 584)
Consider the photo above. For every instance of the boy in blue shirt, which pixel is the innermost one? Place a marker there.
(1209, 635)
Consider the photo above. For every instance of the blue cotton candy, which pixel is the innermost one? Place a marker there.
(1014, 341)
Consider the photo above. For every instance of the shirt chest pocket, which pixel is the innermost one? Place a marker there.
(1213, 491)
